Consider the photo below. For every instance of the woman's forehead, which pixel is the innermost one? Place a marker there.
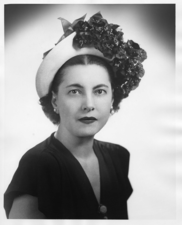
(85, 74)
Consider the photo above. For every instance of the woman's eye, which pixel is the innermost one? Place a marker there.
(74, 92)
(101, 92)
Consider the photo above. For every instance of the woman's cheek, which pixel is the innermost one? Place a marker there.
(72, 105)
(104, 104)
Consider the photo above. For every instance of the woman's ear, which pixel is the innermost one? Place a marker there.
(54, 100)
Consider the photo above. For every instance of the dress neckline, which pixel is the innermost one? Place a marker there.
(83, 174)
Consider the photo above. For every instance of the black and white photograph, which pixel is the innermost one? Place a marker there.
(89, 112)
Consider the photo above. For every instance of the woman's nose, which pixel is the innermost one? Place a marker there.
(88, 104)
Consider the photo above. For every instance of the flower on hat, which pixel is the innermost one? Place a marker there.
(125, 57)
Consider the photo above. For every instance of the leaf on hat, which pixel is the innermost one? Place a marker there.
(65, 24)
(68, 27)
(77, 20)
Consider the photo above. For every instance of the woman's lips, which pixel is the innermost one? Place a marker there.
(87, 120)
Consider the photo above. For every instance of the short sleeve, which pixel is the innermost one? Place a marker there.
(125, 162)
(121, 158)
(36, 175)
(23, 181)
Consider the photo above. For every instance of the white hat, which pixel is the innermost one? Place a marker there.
(125, 57)
(61, 53)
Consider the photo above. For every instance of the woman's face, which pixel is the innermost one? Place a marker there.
(83, 100)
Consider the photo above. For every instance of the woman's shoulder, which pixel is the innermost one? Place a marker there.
(120, 155)
(36, 166)
(112, 147)
(40, 153)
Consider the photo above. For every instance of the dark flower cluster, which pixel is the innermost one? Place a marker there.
(125, 57)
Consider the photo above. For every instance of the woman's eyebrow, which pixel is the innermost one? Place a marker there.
(74, 85)
(80, 86)
(101, 85)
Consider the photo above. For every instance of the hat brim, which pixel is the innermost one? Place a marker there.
(61, 53)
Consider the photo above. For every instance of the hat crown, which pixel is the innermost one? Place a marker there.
(96, 37)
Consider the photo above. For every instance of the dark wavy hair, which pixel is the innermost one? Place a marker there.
(45, 101)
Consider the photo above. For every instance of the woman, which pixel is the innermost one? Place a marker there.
(80, 82)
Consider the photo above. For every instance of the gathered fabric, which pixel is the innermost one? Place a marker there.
(51, 173)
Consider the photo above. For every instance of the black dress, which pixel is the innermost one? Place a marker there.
(50, 172)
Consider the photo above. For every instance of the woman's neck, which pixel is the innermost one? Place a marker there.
(80, 147)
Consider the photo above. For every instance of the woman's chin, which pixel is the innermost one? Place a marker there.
(87, 132)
